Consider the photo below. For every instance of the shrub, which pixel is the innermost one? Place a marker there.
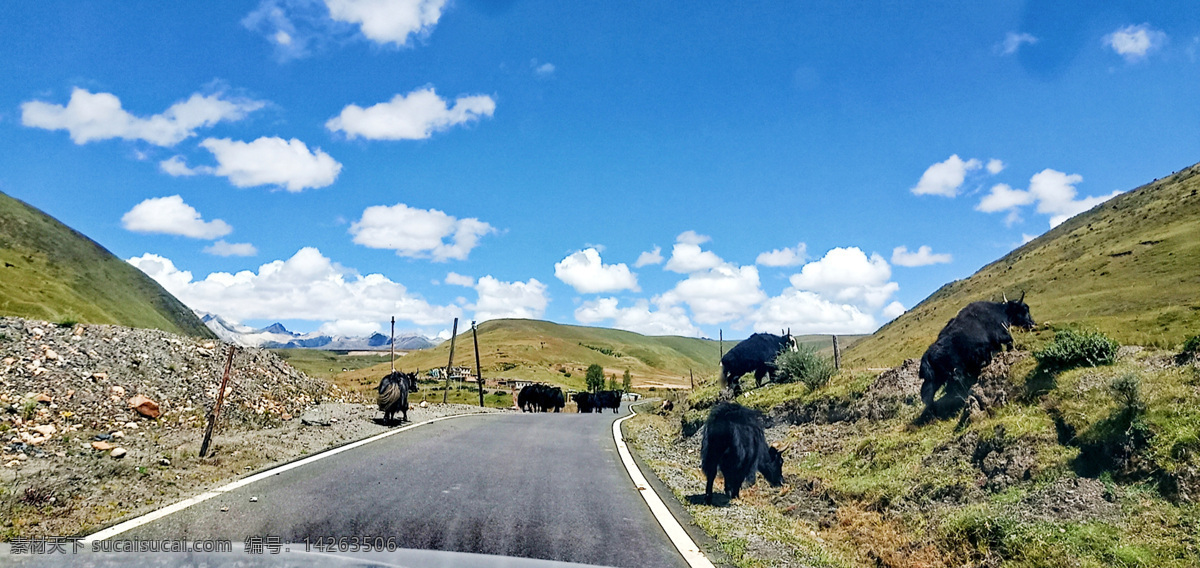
(804, 365)
(1127, 392)
(1190, 350)
(1072, 348)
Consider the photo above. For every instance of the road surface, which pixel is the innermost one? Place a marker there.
(544, 485)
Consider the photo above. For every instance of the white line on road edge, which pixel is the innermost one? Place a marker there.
(679, 537)
(160, 513)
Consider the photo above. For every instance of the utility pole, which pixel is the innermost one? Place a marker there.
(478, 368)
(392, 344)
(450, 363)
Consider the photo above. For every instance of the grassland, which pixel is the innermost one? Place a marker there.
(50, 272)
(1127, 268)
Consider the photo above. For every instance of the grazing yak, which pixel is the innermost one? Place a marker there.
(966, 345)
(393, 394)
(541, 398)
(756, 354)
(734, 442)
(607, 399)
(584, 401)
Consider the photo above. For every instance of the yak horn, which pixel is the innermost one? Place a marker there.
(1006, 297)
(1022, 297)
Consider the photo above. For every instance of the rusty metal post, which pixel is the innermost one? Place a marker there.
(216, 411)
(478, 368)
(450, 363)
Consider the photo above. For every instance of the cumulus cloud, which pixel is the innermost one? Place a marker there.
(1134, 43)
(587, 274)
(945, 178)
(1013, 42)
(455, 279)
(307, 286)
(718, 294)
(272, 161)
(542, 70)
(350, 328)
(848, 275)
(418, 233)
(649, 257)
(687, 257)
(639, 318)
(171, 216)
(923, 257)
(995, 166)
(893, 311)
(91, 116)
(499, 299)
(222, 248)
(177, 167)
(808, 313)
(783, 257)
(388, 21)
(414, 116)
(1053, 191)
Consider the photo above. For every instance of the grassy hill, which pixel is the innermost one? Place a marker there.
(560, 354)
(49, 271)
(1129, 267)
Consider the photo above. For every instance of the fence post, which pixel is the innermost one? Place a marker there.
(478, 368)
(837, 354)
(216, 411)
(450, 363)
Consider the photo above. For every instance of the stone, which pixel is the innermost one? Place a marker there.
(43, 398)
(101, 377)
(118, 390)
(51, 355)
(102, 446)
(164, 462)
(118, 453)
(45, 429)
(144, 406)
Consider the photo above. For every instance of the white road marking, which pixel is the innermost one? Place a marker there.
(679, 537)
(175, 508)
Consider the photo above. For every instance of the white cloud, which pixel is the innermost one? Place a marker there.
(222, 248)
(498, 299)
(307, 286)
(1013, 42)
(1025, 237)
(784, 256)
(649, 257)
(639, 318)
(351, 328)
(587, 274)
(893, 311)
(686, 256)
(543, 70)
(847, 275)
(1053, 191)
(272, 161)
(98, 116)
(945, 178)
(455, 279)
(719, 294)
(923, 257)
(418, 233)
(808, 313)
(171, 216)
(388, 21)
(1135, 42)
(176, 166)
(995, 166)
(415, 116)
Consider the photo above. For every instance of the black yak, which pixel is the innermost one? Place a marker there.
(607, 399)
(756, 354)
(584, 401)
(393, 394)
(735, 443)
(966, 345)
(540, 398)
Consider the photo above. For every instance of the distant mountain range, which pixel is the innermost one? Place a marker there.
(276, 336)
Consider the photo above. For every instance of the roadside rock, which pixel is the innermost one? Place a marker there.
(145, 406)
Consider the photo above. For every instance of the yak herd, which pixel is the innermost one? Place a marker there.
(734, 441)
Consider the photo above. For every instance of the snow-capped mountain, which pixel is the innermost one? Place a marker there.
(276, 336)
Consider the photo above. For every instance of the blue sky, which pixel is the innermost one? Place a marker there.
(330, 163)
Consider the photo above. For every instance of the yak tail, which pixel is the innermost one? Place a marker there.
(389, 395)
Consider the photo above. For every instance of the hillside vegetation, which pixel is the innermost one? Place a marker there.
(560, 354)
(49, 271)
(1128, 268)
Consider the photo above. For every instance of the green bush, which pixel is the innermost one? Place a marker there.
(1073, 348)
(804, 365)
(1190, 350)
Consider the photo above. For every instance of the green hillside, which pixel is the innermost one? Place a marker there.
(1129, 267)
(546, 351)
(51, 272)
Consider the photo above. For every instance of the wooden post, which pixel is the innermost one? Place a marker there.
(392, 344)
(453, 336)
(216, 411)
(721, 343)
(837, 354)
(478, 368)
(693, 378)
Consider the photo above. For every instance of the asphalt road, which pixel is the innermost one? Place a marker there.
(546, 486)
